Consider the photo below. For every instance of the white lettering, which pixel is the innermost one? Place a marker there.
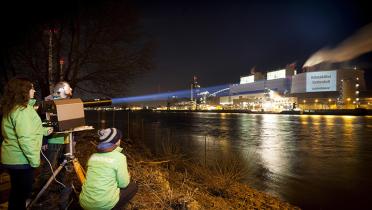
(321, 81)
(102, 159)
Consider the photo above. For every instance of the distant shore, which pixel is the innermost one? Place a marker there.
(356, 112)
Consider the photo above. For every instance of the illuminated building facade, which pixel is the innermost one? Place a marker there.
(257, 92)
(285, 90)
(330, 89)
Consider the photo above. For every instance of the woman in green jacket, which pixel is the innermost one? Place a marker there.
(22, 131)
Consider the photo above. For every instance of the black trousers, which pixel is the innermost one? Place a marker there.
(126, 194)
(21, 187)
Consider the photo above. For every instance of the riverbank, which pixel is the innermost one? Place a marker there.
(169, 181)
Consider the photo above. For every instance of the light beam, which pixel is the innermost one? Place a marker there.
(167, 95)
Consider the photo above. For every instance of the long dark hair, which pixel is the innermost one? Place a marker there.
(16, 93)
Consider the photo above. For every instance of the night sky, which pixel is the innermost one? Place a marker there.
(219, 41)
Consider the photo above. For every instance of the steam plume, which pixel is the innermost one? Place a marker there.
(358, 44)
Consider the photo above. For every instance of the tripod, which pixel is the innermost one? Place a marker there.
(70, 159)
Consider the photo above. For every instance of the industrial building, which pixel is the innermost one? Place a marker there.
(284, 89)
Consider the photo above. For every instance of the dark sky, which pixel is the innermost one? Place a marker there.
(218, 41)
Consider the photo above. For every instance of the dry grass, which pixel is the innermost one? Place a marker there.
(156, 192)
(167, 181)
(219, 176)
(153, 175)
(190, 185)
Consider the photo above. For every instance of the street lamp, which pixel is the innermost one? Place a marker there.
(304, 101)
(357, 93)
(329, 103)
(348, 101)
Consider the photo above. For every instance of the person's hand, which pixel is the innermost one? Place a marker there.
(50, 130)
(44, 147)
(44, 144)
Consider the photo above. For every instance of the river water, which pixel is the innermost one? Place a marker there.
(314, 162)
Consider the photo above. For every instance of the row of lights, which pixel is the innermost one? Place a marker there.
(330, 100)
(357, 92)
(316, 100)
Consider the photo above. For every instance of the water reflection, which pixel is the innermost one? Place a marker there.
(316, 162)
(271, 144)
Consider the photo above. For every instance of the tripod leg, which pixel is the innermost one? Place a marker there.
(47, 184)
(79, 170)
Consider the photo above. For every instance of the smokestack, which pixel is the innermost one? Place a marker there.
(253, 70)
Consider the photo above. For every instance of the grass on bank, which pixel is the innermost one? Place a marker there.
(170, 181)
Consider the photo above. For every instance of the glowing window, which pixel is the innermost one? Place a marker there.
(247, 79)
(276, 74)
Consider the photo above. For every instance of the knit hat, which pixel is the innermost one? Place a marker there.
(109, 135)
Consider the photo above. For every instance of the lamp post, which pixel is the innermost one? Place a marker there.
(329, 103)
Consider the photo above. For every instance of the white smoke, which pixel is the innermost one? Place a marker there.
(358, 44)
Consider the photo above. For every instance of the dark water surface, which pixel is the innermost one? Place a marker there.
(314, 162)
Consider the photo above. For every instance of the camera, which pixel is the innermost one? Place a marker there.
(64, 114)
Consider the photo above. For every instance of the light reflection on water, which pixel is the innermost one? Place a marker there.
(315, 162)
(272, 144)
(312, 161)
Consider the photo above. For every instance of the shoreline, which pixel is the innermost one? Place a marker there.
(171, 181)
(354, 112)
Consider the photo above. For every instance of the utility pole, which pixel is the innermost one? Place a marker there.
(61, 62)
(50, 61)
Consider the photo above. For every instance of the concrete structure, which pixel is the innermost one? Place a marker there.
(262, 94)
(329, 89)
(285, 90)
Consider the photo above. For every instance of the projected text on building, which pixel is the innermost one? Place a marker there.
(321, 81)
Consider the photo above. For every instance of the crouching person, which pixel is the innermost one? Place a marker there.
(107, 184)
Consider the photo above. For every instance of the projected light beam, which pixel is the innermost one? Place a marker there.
(167, 95)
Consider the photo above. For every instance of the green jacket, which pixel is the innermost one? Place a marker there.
(23, 133)
(107, 173)
(58, 138)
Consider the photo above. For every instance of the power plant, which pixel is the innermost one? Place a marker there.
(284, 89)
